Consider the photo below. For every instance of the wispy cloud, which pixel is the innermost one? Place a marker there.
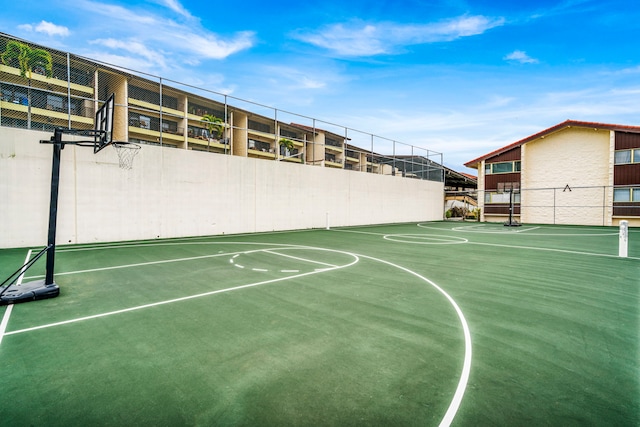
(364, 39)
(139, 50)
(46, 28)
(521, 57)
(177, 7)
(149, 36)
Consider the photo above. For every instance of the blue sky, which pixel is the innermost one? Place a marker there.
(458, 77)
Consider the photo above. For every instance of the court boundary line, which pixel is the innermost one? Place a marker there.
(509, 231)
(9, 309)
(566, 251)
(466, 364)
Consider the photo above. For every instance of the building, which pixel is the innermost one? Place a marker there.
(572, 173)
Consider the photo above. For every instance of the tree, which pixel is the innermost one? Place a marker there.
(214, 124)
(27, 60)
(287, 144)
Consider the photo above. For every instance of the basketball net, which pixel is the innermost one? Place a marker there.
(127, 151)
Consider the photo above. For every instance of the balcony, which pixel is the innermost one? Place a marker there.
(331, 161)
(155, 107)
(46, 107)
(150, 128)
(260, 149)
(6, 71)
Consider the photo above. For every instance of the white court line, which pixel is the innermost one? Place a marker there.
(466, 365)
(466, 368)
(5, 321)
(142, 264)
(566, 251)
(155, 304)
(526, 229)
(533, 248)
(464, 376)
(359, 232)
(194, 240)
(300, 259)
(9, 309)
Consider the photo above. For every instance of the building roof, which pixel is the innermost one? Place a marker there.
(552, 129)
(454, 178)
(468, 175)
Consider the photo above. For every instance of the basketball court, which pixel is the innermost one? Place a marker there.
(407, 324)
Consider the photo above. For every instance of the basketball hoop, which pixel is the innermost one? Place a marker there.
(127, 151)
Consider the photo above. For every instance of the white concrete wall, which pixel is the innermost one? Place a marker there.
(577, 157)
(176, 193)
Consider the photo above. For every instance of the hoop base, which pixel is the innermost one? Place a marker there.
(31, 291)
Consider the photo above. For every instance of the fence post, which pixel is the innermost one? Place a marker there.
(623, 245)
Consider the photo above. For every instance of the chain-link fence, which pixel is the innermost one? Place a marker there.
(58, 89)
(586, 205)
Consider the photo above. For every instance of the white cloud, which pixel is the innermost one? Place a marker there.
(294, 79)
(208, 46)
(177, 7)
(138, 49)
(521, 57)
(346, 41)
(189, 42)
(361, 39)
(46, 28)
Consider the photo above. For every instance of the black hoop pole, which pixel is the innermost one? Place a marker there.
(58, 145)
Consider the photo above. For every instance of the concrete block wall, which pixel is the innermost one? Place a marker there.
(574, 157)
(177, 193)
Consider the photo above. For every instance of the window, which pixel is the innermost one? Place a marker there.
(626, 194)
(259, 145)
(260, 127)
(502, 167)
(622, 195)
(623, 157)
(332, 142)
(289, 134)
(145, 122)
(55, 103)
(494, 197)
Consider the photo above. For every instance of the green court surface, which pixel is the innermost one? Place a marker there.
(427, 324)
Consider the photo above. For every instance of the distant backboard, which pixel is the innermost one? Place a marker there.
(508, 187)
(104, 125)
